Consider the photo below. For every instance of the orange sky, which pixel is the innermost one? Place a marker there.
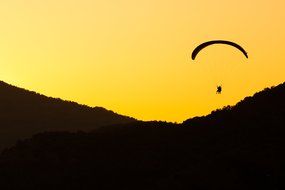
(133, 57)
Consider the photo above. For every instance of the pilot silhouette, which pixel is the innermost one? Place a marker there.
(219, 89)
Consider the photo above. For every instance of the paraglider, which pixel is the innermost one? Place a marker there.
(209, 43)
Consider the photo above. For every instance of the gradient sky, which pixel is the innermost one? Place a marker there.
(133, 56)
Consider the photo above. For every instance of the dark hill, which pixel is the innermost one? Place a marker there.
(24, 113)
(239, 147)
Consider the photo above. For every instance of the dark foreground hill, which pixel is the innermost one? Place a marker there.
(236, 148)
(24, 113)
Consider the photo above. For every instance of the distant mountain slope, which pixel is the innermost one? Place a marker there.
(239, 147)
(265, 106)
(24, 113)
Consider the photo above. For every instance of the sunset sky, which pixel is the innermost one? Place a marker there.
(134, 56)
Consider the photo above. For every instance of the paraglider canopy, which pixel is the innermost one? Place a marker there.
(209, 43)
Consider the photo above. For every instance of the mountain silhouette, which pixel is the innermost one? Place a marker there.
(237, 147)
(24, 113)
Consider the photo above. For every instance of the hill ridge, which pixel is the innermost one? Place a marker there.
(256, 99)
(24, 90)
(239, 147)
(24, 113)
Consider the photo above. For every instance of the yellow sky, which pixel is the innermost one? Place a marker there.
(133, 56)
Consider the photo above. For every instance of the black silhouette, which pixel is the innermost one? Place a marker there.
(24, 113)
(219, 89)
(239, 147)
(206, 44)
